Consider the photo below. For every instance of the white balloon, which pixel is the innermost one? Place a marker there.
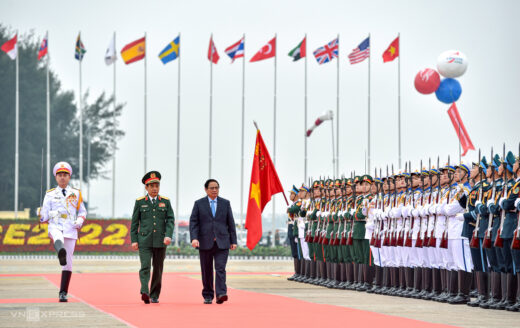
(452, 63)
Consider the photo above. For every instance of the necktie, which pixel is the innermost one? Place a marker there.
(213, 208)
(63, 191)
(153, 201)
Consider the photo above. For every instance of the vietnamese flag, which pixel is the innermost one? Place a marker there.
(392, 52)
(264, 184)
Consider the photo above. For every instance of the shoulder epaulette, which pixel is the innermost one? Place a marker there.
(165, 198)
(140, 198)
(50, 190)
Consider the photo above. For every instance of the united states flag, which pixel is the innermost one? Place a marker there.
(361, 53)
(326, 53)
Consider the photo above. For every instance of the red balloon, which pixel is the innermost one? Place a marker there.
(427, 81)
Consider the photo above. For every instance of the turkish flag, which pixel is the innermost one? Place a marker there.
(212, 52)
(392, 52)
(267, 51)
(460, 129)
(264, 184)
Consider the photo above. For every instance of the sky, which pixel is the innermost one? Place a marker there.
(485, 31)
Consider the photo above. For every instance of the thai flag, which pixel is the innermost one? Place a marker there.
(236, 50)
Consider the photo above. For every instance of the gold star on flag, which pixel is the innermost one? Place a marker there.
(255, 193)
(392, 50)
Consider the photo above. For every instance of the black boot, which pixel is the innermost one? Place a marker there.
(402, 282)
(321, 273)
(349, 268)
(444, 285)
(355, 275)
(516, 307)
(64, 288)
(394, 281)
(303, 266)
(62, 252)
(296, 270)
(464, 286)
(496, 292)
(426, 281)
(364, 276)
(503, 288)
(473, 292)
(417, 282)
(385, 282)
(508, 291)
(436, 285)
(481, 281)
(452, 286)
(379, 280)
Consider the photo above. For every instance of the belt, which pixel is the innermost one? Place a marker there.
(63, 216)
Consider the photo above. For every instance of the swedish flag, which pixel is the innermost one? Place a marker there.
(171, 52)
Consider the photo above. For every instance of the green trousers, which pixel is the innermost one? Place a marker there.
(154, 256)
(361, 249)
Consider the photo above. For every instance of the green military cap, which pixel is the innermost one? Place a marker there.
(357, 179)
(316, 184)
(349, 182)
(367, 178)
(337, 183)
(151, 177)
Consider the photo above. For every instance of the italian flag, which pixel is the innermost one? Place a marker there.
(11, 47)
(300, 50)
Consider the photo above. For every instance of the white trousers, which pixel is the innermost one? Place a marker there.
(460, 255)
(305, 249)
(69, 245)
(376, 254)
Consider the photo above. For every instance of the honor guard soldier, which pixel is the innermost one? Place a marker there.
(291, 216)
(65, 212)
(151, 231)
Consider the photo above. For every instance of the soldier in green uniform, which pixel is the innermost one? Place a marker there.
(362, 245)
(346, 252)
(150, 233)
(314, 225)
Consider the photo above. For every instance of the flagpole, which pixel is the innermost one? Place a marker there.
(48, 119)
(369, 59)
(336, 169)
(178, 142)
(17, 136)
(399, 97)
(114, 137)
(333, 157)
(80, 119)
(210, 105)
(88, 166)
(242, 150)
(305, 119)
(145, 109)
(274, 135)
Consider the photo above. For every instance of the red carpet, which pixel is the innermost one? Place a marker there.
(181, 306)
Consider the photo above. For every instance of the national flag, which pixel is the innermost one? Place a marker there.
(134, 51)
(267, 51)
(361, 53)
(11, 47)
(235, 50)
(43, 47)
(110, 54)
(171, 51)
(460, 129)
(300, 51)
(326, 53)
(212, 52)
(327, 116)
(264, 184)
(80, 49)
(392, 52)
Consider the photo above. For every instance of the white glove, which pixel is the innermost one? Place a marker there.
(490, 202)
(364, 210)
(433, 209)
(501, 201)
(477, 203)
(78, 223)
(384, 215)
(53, 216)
(459, 217)
(415, 212)
(517, 201)
(295, 240)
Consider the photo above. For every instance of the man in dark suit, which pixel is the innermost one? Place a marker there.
(212, 231)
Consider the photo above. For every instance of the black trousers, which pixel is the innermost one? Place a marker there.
(292, 243)
(207, 258)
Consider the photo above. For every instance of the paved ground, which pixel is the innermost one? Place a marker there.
(25, 296)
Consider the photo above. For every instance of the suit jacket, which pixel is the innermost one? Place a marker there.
(207, 229)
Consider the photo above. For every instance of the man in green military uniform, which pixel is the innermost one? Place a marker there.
(150, 233)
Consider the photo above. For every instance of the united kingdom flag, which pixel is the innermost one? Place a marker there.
(326, 53)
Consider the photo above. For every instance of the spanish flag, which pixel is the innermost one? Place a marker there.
(264, 184)
(134, 51)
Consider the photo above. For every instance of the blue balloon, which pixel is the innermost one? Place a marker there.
(449, 91)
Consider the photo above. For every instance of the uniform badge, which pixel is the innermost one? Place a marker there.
(152, 175)
(144, 205)
(162, 205)
(517, 189)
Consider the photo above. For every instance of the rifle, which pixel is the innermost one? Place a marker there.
(350, 240)
(386, 239)
(516, 235)
(487, 237)
(373, 238)
(426, 239)
(433, 240)
(474, 243)
(444, 238)
(419, 241)
(409, 235)
(400, 238)
(382, 206)
(393, 240)
(499, 242)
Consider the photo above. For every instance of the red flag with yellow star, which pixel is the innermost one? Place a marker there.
(392, 52)
(264, 184)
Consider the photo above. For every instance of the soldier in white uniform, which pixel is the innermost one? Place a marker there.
(65, 213)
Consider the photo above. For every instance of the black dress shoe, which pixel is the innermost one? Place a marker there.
(63, 297)
(221, 299)
(208, 301)
(62, 256)
(155, 300)
(146, 298)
